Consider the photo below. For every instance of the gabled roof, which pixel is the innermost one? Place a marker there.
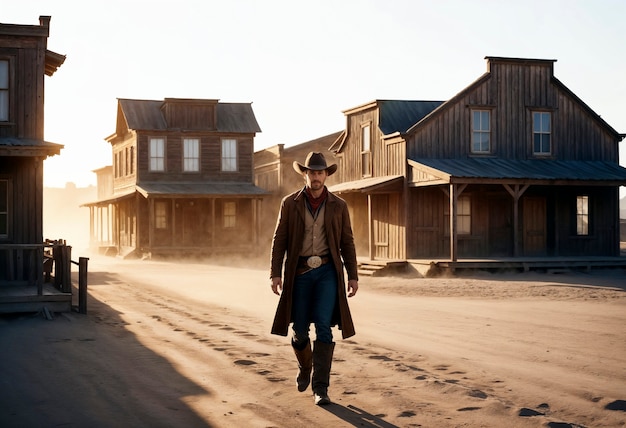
(147, 115)
(528, 170)
(522, 61)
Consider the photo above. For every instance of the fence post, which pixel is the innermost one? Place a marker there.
(82, 284)
(66, 277)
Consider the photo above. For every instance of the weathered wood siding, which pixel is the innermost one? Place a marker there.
(210, 159)
(512, 92)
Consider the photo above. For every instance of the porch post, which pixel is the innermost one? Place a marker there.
(516, 193)
(370, 228)
(453, 235)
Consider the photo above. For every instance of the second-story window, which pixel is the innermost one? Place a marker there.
(366, 153)
(191, 155)
(542, 133)
(4, 208)
(481, 131)
(4, 91)
(157, 154)
(132, 159)
(229, 154)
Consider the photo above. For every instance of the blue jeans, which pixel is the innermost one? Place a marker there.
(314, 300)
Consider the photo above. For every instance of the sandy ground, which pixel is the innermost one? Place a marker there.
(169, 344)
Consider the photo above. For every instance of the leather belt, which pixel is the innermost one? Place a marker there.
(308, 263)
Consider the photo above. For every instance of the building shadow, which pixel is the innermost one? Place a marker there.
(357, 417)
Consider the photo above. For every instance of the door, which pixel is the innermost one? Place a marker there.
(500, 226)
(534, 226)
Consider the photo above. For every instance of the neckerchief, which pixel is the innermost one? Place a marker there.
(315, 203)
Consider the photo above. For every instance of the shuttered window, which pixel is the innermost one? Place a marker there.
(481, 131)
(229, 155)
(4, 91)
(157, 154)
(191, 155)
(542, 133)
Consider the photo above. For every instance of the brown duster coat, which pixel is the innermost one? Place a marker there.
(288, 240)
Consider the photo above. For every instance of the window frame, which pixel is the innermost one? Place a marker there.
(229, 214)
(5, 93)
(160, 218)
(191, 161)
(583, 215)
(153, 159)
(463, 216)
(6, 234)
(366, 149)
(538, 131)
(229, 157)
(480, 131)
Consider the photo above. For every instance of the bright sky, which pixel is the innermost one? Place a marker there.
(302, 63)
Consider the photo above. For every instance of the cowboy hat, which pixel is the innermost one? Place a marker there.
(314, 161)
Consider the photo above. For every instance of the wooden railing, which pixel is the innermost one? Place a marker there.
(34, 264)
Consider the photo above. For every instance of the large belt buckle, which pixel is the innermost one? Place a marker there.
(314, 262)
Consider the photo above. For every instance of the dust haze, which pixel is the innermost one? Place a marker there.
(187, 343)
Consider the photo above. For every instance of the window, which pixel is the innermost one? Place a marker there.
(191, 154)
(229, 155)
(463, 216)
(157, 154)
(160, 214)
(132, 159)
(481, 131)
(541, 133)
(582, 215)
(4, 91)
(229, 214)
(366, 154)
(4, 208)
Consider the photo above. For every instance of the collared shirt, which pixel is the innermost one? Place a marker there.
(315, 242)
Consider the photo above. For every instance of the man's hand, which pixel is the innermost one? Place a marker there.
(353, 287)
(277, 285)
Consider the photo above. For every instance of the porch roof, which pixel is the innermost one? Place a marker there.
(185, 190)
(370, 185)
(199, 190)
(538, 171)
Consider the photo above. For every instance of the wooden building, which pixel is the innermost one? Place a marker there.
(181, 180)
(514, 166)
(24, 62)
(273, 172)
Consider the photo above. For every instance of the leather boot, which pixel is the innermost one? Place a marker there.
(304, 355)
(322, 360)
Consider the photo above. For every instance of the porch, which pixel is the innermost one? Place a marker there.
(428, 267)
(35, 277)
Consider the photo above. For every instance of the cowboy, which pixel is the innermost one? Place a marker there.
(314, 231)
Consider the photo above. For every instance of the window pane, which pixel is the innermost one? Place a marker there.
(229, 155)
(582, 215)
(481, 135)
(191, 157)
(229, 214)
(366, 138)
(157, 154)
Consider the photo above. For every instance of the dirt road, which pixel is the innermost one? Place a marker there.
(188, 345)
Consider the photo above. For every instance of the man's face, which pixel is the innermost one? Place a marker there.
(315, 179)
